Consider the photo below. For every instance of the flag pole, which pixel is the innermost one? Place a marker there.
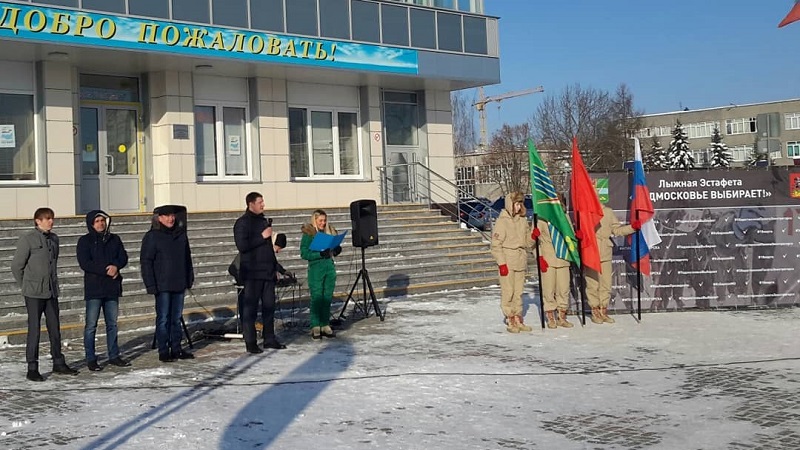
(581, 276)
(638, 271)
(539, 271)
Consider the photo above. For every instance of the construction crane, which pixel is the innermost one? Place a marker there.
(480, 105)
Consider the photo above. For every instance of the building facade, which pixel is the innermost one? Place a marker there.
(125, 105)
(772, 128)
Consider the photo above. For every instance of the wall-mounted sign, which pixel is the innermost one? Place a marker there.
(61, 26)
(180, 131)
(8, 137)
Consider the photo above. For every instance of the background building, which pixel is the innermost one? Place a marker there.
(773, 126)
(129, 104)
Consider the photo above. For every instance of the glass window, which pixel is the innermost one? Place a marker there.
(323, 143)
(443, 3)
(792, 121)
(334, 19)
(17, 140)
(423, 28)
(266, 15)
(89, 144)
(150, 8)
(109, 88)
(117, 6)
(205, 138)
(235, 141)
(190, 11)
(400, 109)
(226, 137)
(348, 143)
(232, 13)
(449, 32)
(793, 149)
(394, 20)
(69, 3)
(298, 142)
(475, 35)
(366, 23)
(301, 17)
(740, 126)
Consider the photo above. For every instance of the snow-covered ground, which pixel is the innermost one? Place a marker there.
(440, 372)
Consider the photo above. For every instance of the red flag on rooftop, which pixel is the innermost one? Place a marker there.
(588, 210)
(793, 16)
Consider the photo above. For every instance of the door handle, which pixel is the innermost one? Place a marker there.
(110, 169)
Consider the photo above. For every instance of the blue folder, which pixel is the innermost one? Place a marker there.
(324, 241)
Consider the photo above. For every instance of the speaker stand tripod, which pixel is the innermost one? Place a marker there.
(363, 275)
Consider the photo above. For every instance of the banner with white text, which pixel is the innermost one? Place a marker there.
(730, 238)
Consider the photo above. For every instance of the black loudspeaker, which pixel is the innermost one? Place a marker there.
(364, 216)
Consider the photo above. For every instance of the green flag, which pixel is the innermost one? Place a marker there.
(547, 206)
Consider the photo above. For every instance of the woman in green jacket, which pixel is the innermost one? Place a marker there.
(321, 274)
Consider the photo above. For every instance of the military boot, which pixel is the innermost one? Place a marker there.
(606, 319)
(521, 325)
(551, 319)
(562, 319)
(512, 325)
(597, 315)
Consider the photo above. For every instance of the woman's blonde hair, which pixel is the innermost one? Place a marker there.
(328, 227)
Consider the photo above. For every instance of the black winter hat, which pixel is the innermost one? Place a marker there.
(280, 240)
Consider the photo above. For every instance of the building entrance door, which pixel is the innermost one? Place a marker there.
(110, 158)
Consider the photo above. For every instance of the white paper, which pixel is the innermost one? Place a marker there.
(8, 137)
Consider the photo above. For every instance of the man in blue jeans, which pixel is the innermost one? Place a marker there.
(166, 263)
(101, 256)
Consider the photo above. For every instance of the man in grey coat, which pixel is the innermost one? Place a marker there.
(35, 267)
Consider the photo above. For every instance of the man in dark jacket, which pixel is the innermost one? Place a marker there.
(252, 233)
(35, 268)
(166, 263)
(101, 256)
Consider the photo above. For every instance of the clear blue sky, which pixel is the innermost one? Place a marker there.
(698, 53)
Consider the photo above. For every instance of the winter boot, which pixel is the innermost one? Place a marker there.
(521, 325)
(606, 319)
(597, 315)
(551, 319)
(327, 332)
(316, 333)
(513, 326)
(562, 319)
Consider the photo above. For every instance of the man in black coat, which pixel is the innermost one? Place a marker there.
(101, 256)
(166, 263)
(252, 233)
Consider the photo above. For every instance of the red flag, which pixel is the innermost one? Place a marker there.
(588, 211)
(793, 16)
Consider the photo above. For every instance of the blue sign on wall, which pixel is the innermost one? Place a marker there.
(62, 26)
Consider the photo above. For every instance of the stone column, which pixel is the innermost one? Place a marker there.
(173, 160)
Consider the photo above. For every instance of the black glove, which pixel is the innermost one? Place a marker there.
(152, 290)
(325, 254)
(337, 250)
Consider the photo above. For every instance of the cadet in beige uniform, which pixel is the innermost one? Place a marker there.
(510, 245)
(555, 279)
(598, 285)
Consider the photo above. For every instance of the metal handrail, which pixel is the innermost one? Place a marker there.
(417, 183)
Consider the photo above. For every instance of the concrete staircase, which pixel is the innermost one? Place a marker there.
(419, 251)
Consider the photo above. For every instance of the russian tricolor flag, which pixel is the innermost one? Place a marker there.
(641, 210)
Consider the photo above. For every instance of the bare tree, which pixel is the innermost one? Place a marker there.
(603, 124)
(506, 162)
(464, 137)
